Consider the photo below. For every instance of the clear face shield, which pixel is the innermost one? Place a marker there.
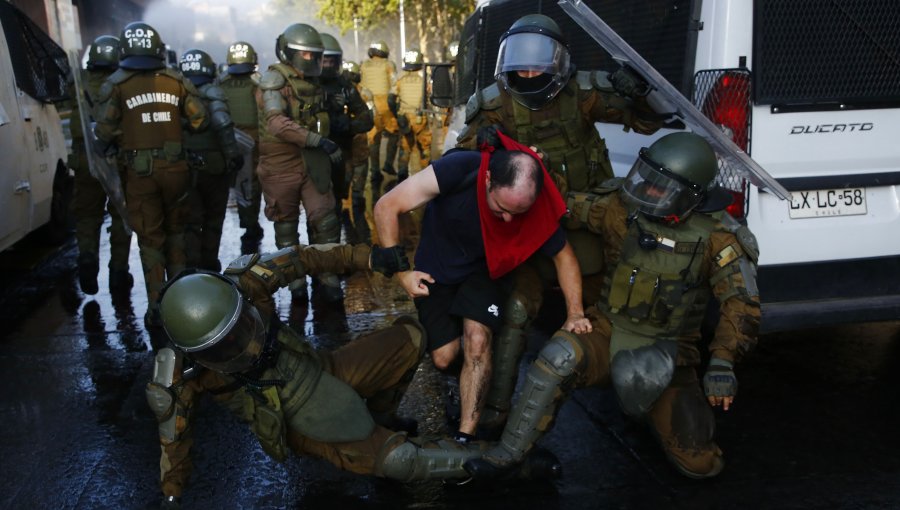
(306, 59)
(658, 192)
(238, 347)
(533, 67)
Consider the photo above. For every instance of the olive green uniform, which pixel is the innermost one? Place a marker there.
(416, 135)
(209, 153)
(241, 92)
(293, 414)
(89, 202)
(142, 112)
(653, 304)
(378, 77)
(577, 159)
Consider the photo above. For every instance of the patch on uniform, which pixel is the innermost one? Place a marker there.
(665, 244)
(262, 272)
(241, 264)
(728, 255)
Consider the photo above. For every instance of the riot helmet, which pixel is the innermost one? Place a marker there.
(533, 62)
(412, 60)
(197, 66)
(103, 53)
(351, 71)
(141, 48)
(331, 61)
(241, 58)
(379, 49)
(207, 318)
(300, 46)
(672, 177)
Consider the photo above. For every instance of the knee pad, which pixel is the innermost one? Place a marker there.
(563, 354)
(516, 312)
(326, 229)
(286, 233)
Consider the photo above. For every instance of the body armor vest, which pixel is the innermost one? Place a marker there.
(376, 76)
(576, 152)
(151, 108)
(305, 106)
(660, 292)
(206, 140)
(409, 87)
(241, 93)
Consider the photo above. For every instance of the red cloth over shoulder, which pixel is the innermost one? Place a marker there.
(508, 244)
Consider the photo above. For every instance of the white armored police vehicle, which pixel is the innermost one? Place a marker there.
(811, 90)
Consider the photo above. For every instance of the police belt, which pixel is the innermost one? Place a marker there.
(155, 154)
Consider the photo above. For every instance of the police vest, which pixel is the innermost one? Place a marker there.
(206, 140)
(576, 152)
(241, 93)
(660, 291)
(409, 87)
(151, 103)
(305, 106)
(376, 76)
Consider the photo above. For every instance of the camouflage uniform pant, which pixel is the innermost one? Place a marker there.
(89, 204)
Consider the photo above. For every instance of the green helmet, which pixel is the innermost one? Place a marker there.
(379, 49)
(197, 66)
(103, 53)
(241, 58)
(672, 177)
(331, 62)
(351, 71)
(301, 47)
(207, 318)
(533, 62)
(412, 60)
(140, 47)
(451, 51)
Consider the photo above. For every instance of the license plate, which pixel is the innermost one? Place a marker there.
(823, 203)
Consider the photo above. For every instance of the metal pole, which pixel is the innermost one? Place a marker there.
(356, 36)
(402, 33)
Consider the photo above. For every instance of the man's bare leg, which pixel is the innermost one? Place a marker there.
(475, 377)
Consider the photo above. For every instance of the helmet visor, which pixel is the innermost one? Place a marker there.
(306, 59)
(656, 191)
(529, 51)
(238, 348)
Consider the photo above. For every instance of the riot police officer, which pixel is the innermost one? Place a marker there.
(666, 257)
(338, 405)
(415, 133)
(539, 99)
(213, 157)
(144, 108)
(295, 155)
(240, 84)
(90, 201)
(378, 77)
(350, 119)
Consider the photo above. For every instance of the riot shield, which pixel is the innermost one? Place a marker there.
(243, 179)
(100, 167)
(666, 98)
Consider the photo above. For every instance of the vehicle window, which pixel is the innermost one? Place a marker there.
(40, 65)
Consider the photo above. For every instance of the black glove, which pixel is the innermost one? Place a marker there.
(235, 163)
(487, 136)
(393, 106)
(403, 124)
(333, 150)
(628, 83)
(170, 503)
(340, 124)
(388, 261)
(720, 380)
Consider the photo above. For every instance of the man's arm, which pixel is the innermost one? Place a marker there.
(569, 274)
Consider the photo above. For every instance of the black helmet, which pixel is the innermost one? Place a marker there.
(103, 53)
(140, 47)
(379, 49)
(333, 56)
(673, 176)
(533, 61)
(241, 58)
(301, 46)
(351, 71)
(412, 60)
(197, 66)
(207, 318)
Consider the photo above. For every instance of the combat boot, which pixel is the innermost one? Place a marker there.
(120, 280)
(251, 239)
(88, 268)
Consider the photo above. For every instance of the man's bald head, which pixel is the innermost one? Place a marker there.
(518, 170)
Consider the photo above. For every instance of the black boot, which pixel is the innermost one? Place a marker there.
(120, 280)
(88, 267)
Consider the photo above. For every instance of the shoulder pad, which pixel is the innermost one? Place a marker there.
(271, 80)
(190, 87)
(590, 80)
(214, 92)
(120, 76)
(487, 98)
(748, 242)
(171, 73)
(241, 264)
(609, 186)
(105, 91)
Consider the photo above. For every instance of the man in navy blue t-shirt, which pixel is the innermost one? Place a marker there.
(458, 303)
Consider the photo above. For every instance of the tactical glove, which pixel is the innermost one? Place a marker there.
(333, 150)
(170, 503)
(235, 163)
(628, 83)
(720, 380)
(388, 261)
(487, 136)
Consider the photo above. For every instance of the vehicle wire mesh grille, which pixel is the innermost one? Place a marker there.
(826, 51)
(723, 95)
(663, 33)
(40, 65)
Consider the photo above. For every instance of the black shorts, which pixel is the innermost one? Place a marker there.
(477, 298)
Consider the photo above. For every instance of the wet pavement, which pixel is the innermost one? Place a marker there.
(814, 426)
